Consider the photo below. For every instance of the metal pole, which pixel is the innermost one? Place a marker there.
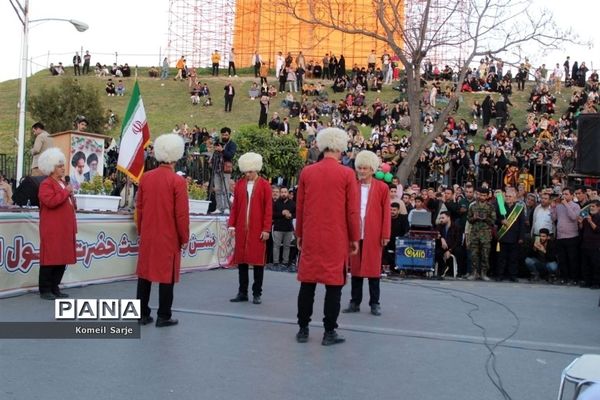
(23, 98)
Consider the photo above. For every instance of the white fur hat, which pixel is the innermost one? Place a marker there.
(49, 159)
(250, 162)
(333, 139)
(168, 148)
(367, 158)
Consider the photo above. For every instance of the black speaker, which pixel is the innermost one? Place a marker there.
(588, 144)
(28, 191)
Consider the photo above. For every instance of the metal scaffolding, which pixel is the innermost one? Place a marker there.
(199, 27)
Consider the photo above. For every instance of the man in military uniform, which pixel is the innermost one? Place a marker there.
(481, 217)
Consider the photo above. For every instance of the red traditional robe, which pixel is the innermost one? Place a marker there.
(249, 249)
(377, 226)
(58, 225)
(163, 223)
(327, 220)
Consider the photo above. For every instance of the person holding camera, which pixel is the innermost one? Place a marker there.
(222, 167)
(564, 212)
(542, 256)
(589, 222)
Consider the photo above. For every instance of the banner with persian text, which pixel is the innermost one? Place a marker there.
(107, 249)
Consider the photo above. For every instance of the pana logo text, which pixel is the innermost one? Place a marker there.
(95, 309)
(414, 253)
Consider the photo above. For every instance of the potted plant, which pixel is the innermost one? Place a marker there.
(197, 195)
(95, 195)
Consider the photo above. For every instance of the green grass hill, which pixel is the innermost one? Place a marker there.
(167, 103)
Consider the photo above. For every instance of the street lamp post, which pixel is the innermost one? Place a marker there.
(80, 26)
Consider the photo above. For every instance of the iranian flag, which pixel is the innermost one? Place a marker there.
(135, 136)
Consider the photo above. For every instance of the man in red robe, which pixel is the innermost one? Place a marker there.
(250, 221)
(375, 229)
(163, 225)
(327, 232)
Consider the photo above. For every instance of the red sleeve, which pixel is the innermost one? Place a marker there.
(386, 223)
(300, 205)
(182, 211)
(139, 202)
(52, 195)
(352, 207)
(268, 205)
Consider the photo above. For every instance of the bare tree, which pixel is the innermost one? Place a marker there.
(415, 28)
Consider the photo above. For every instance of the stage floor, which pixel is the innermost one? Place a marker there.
(424, 346)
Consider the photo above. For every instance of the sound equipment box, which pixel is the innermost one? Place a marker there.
(588, 144)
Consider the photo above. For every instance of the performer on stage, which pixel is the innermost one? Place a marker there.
(163, 225)
(375, 226)
(58, 225)
(327, 232)
(250, 221)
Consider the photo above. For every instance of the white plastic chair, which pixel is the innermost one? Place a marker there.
(584, 370)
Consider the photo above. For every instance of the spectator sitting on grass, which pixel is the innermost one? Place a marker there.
(254, 91)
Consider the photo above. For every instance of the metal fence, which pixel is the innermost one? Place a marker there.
(494, 177)
(8, 166)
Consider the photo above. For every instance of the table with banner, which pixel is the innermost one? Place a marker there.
(107, 249)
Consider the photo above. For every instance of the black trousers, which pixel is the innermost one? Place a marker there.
(165, 298)
(508, 260)
(228, 103)
(567, 252)
(50, 277)
(76, 69)
(331, 309)
(86, 68)
(230, 67)
(357, 290)
(259, 273)
(257, 70)
(590, 266)
(215, 69)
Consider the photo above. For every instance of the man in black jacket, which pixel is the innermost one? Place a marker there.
(448, 245)
(284, 211)
(542, 257)
(399, 228)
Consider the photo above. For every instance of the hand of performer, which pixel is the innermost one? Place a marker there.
(384, 242)
(69, 188)
(231, 231)
(504, 222)
(353, 248)
(299, 244)
(264, 236)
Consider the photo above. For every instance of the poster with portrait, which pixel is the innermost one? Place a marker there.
(86, 159)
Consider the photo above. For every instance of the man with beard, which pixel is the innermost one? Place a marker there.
(374, 198)
(284, 211)
(399, 227)
(511, 234)
(222, 165)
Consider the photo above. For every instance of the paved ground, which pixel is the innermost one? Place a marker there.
(435, 340)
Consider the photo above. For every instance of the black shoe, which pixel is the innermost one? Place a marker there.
(595, 287)
(161, 322)
(60, 295)
(146, 320)
(583, 284)
(513, 279)
(239, 298)
(302, 335)
(256, 300)
(352, 308)
(376, 309)
(331, 338)
(48, 296)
